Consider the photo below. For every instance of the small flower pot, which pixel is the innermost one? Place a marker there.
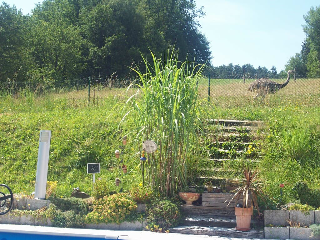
(117, 153)
(117, 182)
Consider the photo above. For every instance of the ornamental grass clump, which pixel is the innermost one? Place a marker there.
(166, 112)
(116, 208)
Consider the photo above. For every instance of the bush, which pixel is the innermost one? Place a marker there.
(77, 205)
(141, 194)
(68, 219)
(307, 195)
(116, 208)
(162, 215)
(103, 188)
(301, 207)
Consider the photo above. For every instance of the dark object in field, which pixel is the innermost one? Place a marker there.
(265, 86)
(78, 194)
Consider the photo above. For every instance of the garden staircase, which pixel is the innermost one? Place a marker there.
(225, 141)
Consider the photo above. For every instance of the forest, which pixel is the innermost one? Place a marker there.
(64, 42)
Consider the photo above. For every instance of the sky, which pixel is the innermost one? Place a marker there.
(263, 33)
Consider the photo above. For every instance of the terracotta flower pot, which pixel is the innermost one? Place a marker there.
(124, 168)
(189, 197)
(243, 218)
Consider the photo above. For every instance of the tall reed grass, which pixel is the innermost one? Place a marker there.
(166, 115)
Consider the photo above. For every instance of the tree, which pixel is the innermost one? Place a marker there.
(115, 31)
(312, 30)
(273, 73)
(176, 21)
(313, 64)
(12, 47)
(297, 63)
(55, 46)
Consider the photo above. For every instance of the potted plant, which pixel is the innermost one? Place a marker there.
(189, 195)
(248, 191)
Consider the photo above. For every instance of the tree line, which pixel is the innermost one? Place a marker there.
(246, 71)
(63, 40)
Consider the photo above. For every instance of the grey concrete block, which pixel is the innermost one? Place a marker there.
(109, 226)
(301, 233)
(302, 218)
(9, 219)
(317, 217)
(30, 204)
(276, 232)
(276, 217)
(35, 204)
(132, 225)
(27, 220)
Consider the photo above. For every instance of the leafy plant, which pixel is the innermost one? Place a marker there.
(162, 214)
(141, 194)
(65, 219)
(77, 205)
(315, 230)
(301, 207)
(250, 187)
(307, 195)
(112, 209)
(103, 188)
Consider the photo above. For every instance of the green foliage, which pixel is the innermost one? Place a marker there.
(307, 195)
(112, 209)
(162, 214)
(77, 205)
(65, 219)
(103, 188)
(315, 230)
(66, 40)
(291, 149)
(141, 194)
(13, 61)
(301, 207)
(312, 31)
(167, 114)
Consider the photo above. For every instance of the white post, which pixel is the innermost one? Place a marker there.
(42, 166)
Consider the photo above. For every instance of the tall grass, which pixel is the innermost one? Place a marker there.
(166, 113)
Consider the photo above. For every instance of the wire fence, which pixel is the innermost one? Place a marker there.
(222, 92)
(235, 92)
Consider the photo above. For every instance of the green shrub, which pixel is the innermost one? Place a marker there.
(301, 207)
(315, 230)
(77, 205)
(68, 219)
(307, 195)
(162, 215)
(103, 188)
(116, 208)
(141, 194)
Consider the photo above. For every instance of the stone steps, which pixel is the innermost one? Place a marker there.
(201, 220)
(211, 215)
